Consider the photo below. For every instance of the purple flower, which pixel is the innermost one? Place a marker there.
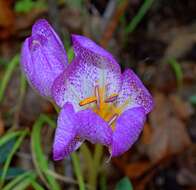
(43, 57)
(99, 104)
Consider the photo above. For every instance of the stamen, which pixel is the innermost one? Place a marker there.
(88, 101)
(97, 95)
(113, 119)
(111, 98)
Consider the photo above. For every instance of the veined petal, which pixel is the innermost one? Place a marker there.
(79, 80)
(43, 57)
(53, 43)
(128, 128)
(65, 140)
(92, 53)
(93, 128)
(134, 93)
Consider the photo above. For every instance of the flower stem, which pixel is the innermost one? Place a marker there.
(77, 170)
(96, 162)
(97, 156)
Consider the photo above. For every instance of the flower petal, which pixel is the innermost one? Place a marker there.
(43, 57)
(128, 127)
(134, 92)
(65, 140)
(93, 128)
(79, 80)
(75, 83)
(54, 45)
(89, 50)
(92, 53)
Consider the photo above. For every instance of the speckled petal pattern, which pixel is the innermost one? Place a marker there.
(92, 53)
(79, 80)
(128, 128)
(134, 92)
(73, 128)
(65, 140)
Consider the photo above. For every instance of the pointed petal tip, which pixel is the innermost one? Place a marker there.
(41, 23)
(57, 155)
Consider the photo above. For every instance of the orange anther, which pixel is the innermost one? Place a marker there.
(111, 98)
(88, 101)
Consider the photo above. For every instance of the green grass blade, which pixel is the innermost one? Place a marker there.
(5, 150)
(16, 180)
(12, 172)
(25, 182)
(138, 17)
(70, 54)
(77, 170)
(4, 139)
(39, 159)
(36, 185)
(177, 70)
(6, 78)
(88, 158)
(11, 154)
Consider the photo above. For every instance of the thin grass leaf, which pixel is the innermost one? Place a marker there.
(5, 150)
(88, 158)
(17, 180)
(7, 137)
(7, 76)
(13, 172)
(9, 158)
(39, 159)
(25, 6)
(177, 70)
(139, 16)
(36, 185)
(77, 170)
(25, 182)
(70, 54)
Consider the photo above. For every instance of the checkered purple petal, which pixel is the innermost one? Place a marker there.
(134, 93)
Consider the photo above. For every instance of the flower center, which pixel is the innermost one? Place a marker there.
(104, 106)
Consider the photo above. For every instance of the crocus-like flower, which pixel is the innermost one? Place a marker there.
(43, 57)
(99, 104)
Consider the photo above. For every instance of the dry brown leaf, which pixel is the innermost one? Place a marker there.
(181, 108)
(6, 18)
(186, 177)
(180, 40)
(136, 169)
(160, 111)
(169, 134)
(6, 13)
(146, 134)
